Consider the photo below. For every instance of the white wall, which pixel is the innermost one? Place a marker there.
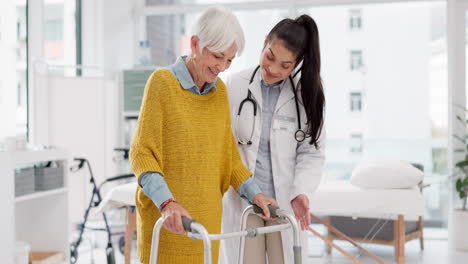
(8, 78)
(90, 124)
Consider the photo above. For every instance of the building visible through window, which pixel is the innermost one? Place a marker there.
(355, 101)
(356, 143)
(356, 61)
(355, 19)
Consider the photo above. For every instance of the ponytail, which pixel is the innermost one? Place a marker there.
(311, 82)
(301, 37)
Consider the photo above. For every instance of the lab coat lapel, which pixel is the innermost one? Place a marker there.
(285, 95)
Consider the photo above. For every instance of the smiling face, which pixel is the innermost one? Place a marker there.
(276, 62)
(209, 64)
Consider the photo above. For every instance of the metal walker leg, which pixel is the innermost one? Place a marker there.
(197, 231)
(276, 212)
(190, 225)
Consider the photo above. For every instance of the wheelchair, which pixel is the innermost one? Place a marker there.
(95, 200)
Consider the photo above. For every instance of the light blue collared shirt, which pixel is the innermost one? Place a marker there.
(263, 170)
(153, 184)
(180, 71)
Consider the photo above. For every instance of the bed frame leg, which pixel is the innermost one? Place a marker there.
(130, 229)
(399, 239)
(421, 234)
(329, 236)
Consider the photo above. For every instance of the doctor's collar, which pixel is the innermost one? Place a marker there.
(273, 85)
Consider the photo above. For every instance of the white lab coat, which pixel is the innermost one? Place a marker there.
(297, 167)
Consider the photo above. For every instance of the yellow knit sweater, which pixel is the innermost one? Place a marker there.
(187, 138)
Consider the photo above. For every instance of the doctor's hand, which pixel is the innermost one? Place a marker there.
(172, 214)
(300, 206)
(263, 201)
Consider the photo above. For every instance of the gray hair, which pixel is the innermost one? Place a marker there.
(217, 29)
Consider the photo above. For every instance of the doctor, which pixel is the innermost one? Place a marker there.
(277, 119)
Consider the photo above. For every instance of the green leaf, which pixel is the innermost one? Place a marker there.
(462, 195)
(459, 185)
(460, 107)
(465, 181)
(462, 163)
(459, 139)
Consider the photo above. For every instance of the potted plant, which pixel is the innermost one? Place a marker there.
(458, 218)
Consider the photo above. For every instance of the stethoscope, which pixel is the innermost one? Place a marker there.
(300, 135)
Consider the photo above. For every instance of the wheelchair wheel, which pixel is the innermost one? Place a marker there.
(110, 254)
(73, 254)
(122, 245)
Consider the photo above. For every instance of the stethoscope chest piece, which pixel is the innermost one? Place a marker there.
(300, 135)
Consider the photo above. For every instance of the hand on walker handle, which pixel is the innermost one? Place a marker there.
(172, 215)
(263, 201)
(300, 206)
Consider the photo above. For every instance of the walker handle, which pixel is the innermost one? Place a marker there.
(273, 210)
(187, 223)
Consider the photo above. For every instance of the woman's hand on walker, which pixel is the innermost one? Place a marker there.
(300, 206)
(172, 215)
(263, 201)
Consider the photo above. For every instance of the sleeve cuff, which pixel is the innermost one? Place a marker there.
(155, 187)
(239, 174)
(249, 189)
(296, 193)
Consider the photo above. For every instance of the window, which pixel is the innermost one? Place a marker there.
(355, 101)
(356, 62)
(356, 143)
(355, 19)
(395, 127)
(21, 69)
(18, 91)
(168, 36)
(53, 30)
(59, 42)
(164, 40)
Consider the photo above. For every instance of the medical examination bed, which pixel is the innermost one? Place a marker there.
(382, 216)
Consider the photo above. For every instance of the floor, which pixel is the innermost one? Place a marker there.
(436, 251)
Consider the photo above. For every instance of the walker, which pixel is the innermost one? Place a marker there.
(197, 231)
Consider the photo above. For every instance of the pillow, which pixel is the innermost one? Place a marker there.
(386, 174)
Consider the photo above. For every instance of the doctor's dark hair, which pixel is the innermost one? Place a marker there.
(301, 37)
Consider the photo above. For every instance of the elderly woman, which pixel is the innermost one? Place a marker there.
(183, 153)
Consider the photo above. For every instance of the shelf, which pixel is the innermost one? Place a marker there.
(40, 194)
(131, 114)
(27, 157)
(33, 217)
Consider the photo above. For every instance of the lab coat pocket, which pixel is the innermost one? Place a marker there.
(284, 123)
(284, 138)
